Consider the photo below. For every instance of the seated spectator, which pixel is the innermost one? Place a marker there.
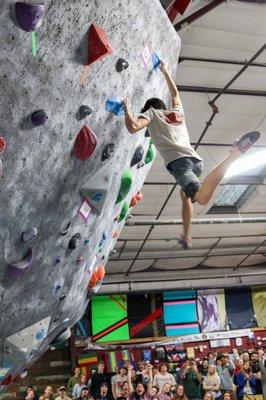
(163, 377)
(192, 380)
(62, 394)
(97, 379)
(208, 396)
(48, 393)
(118, 381)
(30, 389)
(225, 369)
(142, 391)
(173, 391)
(124, 392)
(76, 392)
(227, 396)
(180, 393)
(245, 382)
(113, 380)
(30, 395)
(212, 382)
(154, 391)
(73, 380)
(84, 395)
(104, 392)
(166, 392)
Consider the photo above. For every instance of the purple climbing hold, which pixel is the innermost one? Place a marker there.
(29, 16)
(38, 118)
(28, 235)
(19, 268)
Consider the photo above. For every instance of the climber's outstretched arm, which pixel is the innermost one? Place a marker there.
(133, 124)
(176, 101)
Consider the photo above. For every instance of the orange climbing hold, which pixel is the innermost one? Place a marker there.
(101, 272)
(136, 199)
(93, 281)
(99, 45)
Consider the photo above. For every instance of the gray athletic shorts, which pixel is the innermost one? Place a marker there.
(187, 171)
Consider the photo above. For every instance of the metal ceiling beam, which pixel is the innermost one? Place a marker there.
(197, 14)
(219, 61)
(235, 180)
(209, 89)
(200, 221)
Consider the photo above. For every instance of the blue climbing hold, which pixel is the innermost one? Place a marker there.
(97, 197)
(155, 61)
(41, 334)
(114, 106)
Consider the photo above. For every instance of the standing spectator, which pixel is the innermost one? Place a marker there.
(76, 392)
(124, 392)
(192, 380)
(163, 377)
(92, 371)
(255, 369)
(104, 392)
(154, 392)
(212, 382)
(73, 380)
(204, 367)
(62, 394)
(225, 371)
(113, 380)
(118, 382)
(245, 382)
(48, 393)
(227, 396)
(211, 357)
(244, 356)
(263, 372)
(97, 379)
(142, 373)
(180, 393)
(142, 391)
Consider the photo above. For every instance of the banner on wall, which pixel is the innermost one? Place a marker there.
(239, 308)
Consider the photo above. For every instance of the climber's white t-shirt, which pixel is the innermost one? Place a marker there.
(169, 133)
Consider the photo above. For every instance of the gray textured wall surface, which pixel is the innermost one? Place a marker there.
(42, 176)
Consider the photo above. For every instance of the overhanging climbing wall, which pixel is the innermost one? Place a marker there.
(64, 69)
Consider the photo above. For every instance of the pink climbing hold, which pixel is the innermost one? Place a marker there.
(136, 199)
(19, 268)
(85, 143)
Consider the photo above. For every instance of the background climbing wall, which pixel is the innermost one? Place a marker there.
(43, 282)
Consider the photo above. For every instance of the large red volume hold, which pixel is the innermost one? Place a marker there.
(99, 45)
(85, 143)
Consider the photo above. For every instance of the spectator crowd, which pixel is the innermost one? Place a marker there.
(236, 376)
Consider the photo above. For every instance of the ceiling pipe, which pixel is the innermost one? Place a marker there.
(197, 14)
(219, 61)
(207, 89)
(162, 285)
(200, 221)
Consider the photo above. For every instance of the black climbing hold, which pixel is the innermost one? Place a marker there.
(108, 151)
(74, 241)
(83, 112)
(38, 118)
(147, 134)
(65, 230)
(137, 157)
(57, 260)
(121, 65)
(63, 296)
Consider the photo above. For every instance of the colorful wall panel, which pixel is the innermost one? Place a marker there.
(109, 318)
(145, 315)
(180, 313)
(259, 306)
(208, 311)
(239, 308)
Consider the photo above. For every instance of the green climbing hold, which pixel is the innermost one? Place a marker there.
(124, 212)
(125, 185)
(151, 153)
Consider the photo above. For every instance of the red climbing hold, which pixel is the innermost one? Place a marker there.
(7, 380)
(85, 144)
(2, 144)
(99, 45)
(115, 234)
(136, 198)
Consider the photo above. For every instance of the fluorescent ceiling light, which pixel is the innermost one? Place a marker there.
(248, 162)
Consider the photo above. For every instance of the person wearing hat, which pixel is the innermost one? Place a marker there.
(62, 394)
(84, 395)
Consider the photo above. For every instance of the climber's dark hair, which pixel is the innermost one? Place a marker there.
(154, 102)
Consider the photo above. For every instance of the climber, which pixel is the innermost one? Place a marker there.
(168, 131)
